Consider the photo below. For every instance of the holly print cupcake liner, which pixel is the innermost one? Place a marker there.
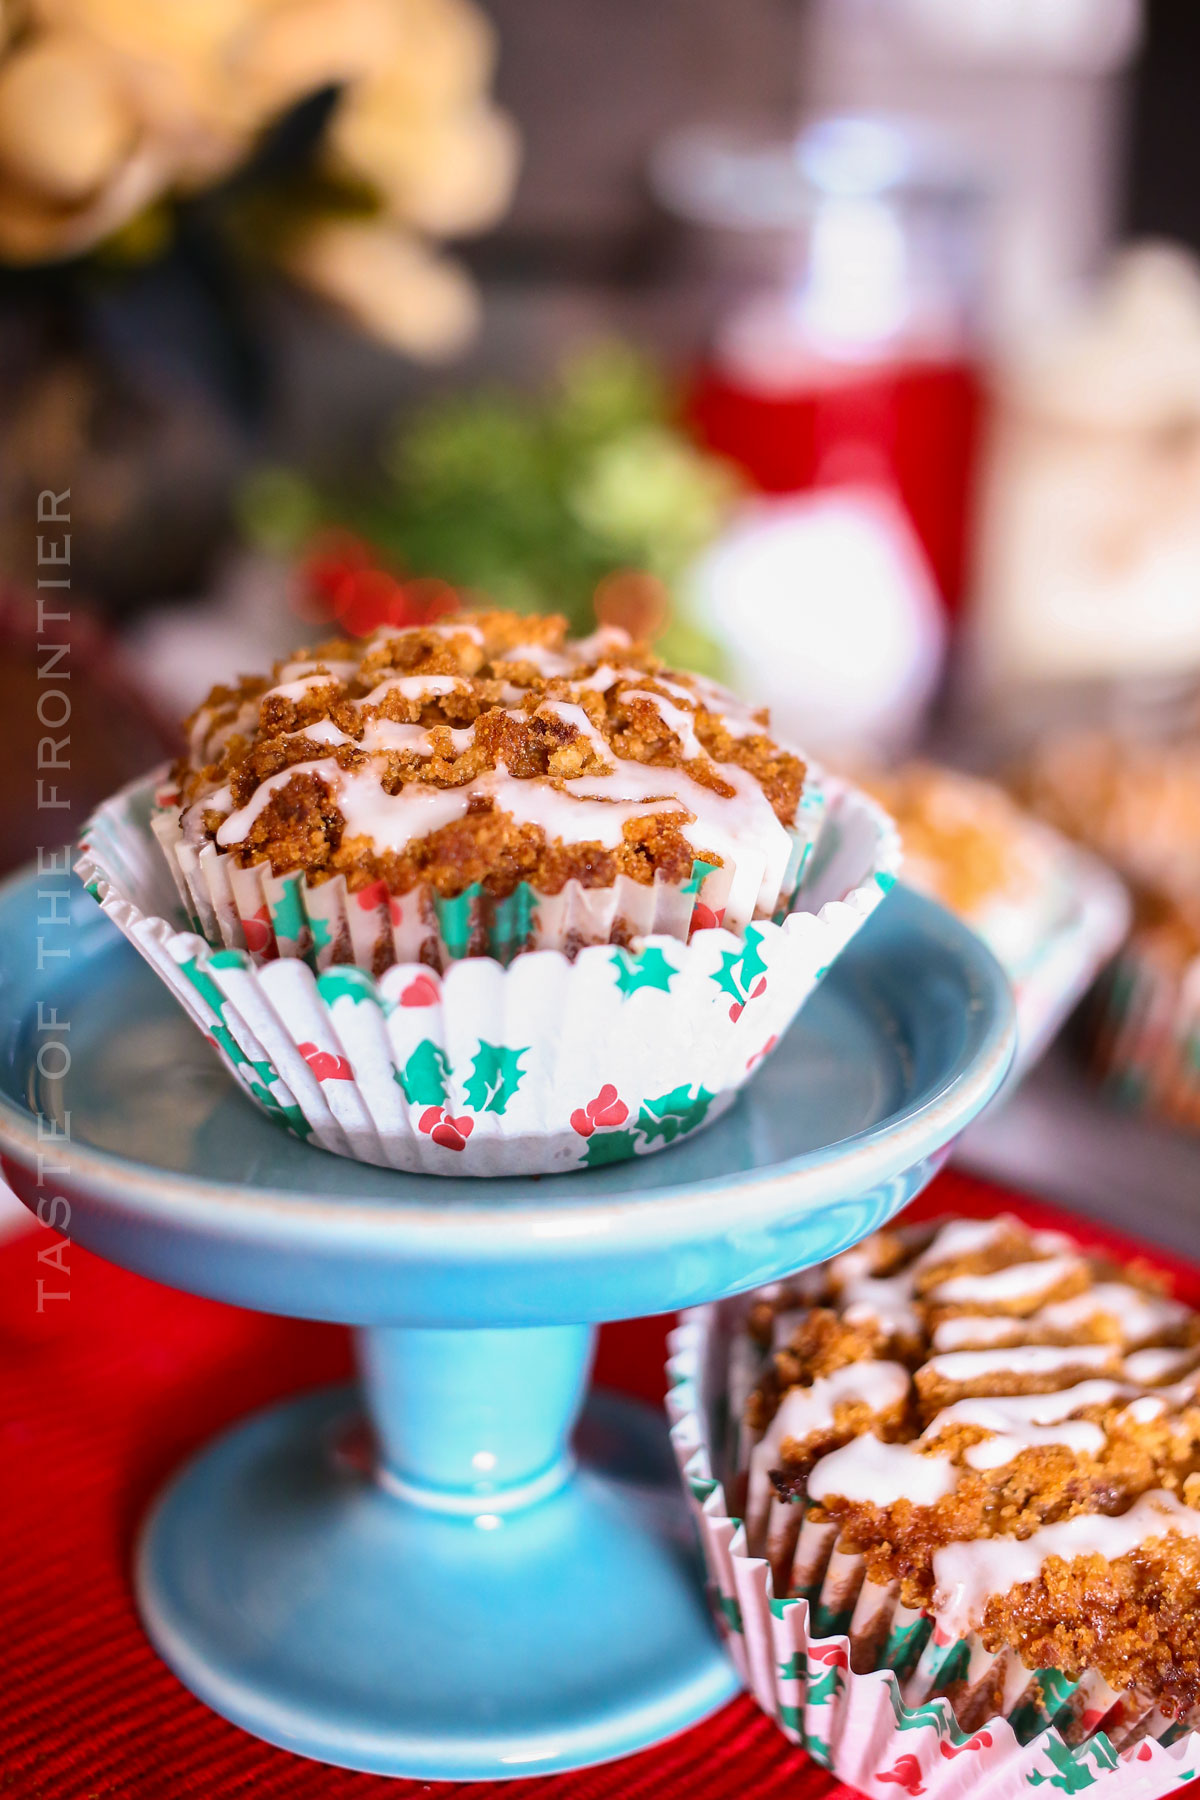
(860, 1681)
(540, 1066)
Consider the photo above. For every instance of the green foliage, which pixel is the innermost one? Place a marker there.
(530, 501)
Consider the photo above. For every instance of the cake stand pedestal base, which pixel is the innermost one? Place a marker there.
(479, 1595)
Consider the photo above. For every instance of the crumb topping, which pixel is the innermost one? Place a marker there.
(490, 749)
(1007, 1432)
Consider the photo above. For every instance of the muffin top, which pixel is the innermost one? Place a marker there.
(490, 749)
(1138, 805)
(1006, 1428)
(965, 841)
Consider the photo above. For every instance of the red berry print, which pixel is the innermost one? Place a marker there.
(606, 1109)
(451, 1134)
(765, 1051)
(376, 895)
(705, 919)
(980, 1741)
(906, 1774)
(422, 990)
(325, 1065)
(259, 936)
(832, 1655)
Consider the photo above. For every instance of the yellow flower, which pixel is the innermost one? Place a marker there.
(446, 175)
(389, 283)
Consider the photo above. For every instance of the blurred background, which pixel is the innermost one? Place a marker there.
(849, 348)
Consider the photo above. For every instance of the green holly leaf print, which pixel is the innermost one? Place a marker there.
(495, 1076)
(425, 1075)
(288, 917)
(740, 969)
(344, 981)
(670, 1115)
(651, 969)
(819, 1750)
(609, 1147)
(322, 933)
(699, 875)
(1071, 1771)
(826, 1688)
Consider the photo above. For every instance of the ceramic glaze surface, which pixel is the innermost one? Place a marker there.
(487, 1591)
(174, 1173)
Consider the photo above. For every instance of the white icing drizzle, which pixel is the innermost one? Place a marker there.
(417, 687)
(872, 1473)
(1138, 1316)
(339, 670)
(737, 828)
(546, 662)
(1019, 1359)
(296, 690)
(884, 1300)
(321, 731)
(1000, 1287)
(978, 1349)
(1018, 1426)
(1155, 1365)
(676, 720)
(805, 1411)
(967, 1575)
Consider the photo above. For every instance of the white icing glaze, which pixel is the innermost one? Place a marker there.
(966, 1575)
(805, 1411)
(1013, 1430)
(1139, 1315)
(872, 1473)
(417, 687)
(321, 731)
(676, 720)
(979, 1330)
(737, 828)
(1000, 1287)
(341, 671)
(1020, 1359)
(1152, 1366)
(886, 1300)
(296, 690)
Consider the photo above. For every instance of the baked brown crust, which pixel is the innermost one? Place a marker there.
(516, 703)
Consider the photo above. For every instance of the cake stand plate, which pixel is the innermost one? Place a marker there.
(482, 1579)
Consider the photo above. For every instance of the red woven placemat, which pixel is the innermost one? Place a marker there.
(101, 1396)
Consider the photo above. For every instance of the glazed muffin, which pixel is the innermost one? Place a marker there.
(479, 786)
(980, 1436)
(968, 845)
(1138, 805)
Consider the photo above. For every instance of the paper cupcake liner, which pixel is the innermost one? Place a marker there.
(546, 1065)
(1141, 1032)
(1068, 958)
(862, 1682)
(271, 915)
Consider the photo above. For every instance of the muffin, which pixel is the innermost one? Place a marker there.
(968, 845)
(480, 786)
(470, 899)
(974, 1451)
(1050, 914)
(1138, 805)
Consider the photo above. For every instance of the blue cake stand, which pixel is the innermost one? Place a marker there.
(507, 1584)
